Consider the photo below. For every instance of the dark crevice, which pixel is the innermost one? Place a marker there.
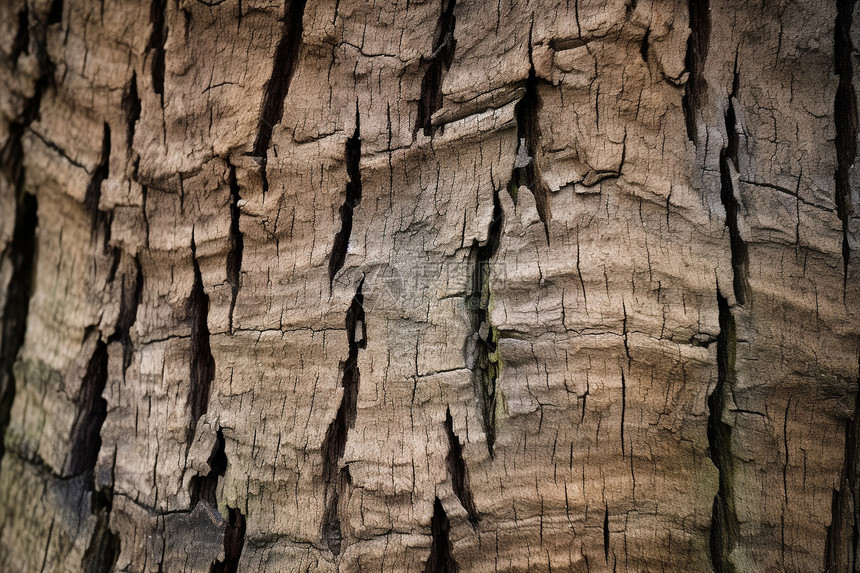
(131, 108)
(237, 244)
(484, 340)
(155, 45)
(92, 410)
(526, 171)
(606, 533)
(102, 553)
(458, 471)
(100, 219)
(55, 14)
(234, 541)
(278, 85)
(724, 521)
(439, 63)
(697, 50)
(644, 45)
(845, 118)
(333, 446)
(205, 487)
(132, 289)
(843, 533)
(728, 164)
(21, 257)
(21, 43)
(441, 559)
(353, 198)
(202, 367)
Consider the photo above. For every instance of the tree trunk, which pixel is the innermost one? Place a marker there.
(429, 286)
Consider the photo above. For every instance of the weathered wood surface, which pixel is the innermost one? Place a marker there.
(429, 286)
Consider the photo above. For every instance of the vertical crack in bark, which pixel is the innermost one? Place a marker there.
(93, 194)
(205, 487)
(484, 340)
(334, 443)
(606, 533)
(697, 50)
(353, 198)
(440, 62)
(843, 533)
(86, 437)
(237, 244)
(21, 255)
(155, 45)
(724, 521)
(131, 108)
(234, 541)
(845, 118)
(132, 289)
(202, 367)
(55, 14)
(526, 170)
(728, 166)
(278, 84)
(21, 43)
(441, 559)
(102, 552)
(458, 471)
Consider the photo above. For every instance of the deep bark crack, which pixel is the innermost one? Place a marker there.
(458, 471)
(202, 366)
(441, 559)
(237, 244)
(697, 50)
(155, 45)
(353, 198)
(234, 542)
(440, 60)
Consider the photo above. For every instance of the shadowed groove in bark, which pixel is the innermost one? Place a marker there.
(204, 487)
(458, 472)
(55, 14)
(21, 254)
(155, 45)
(606, 533)
(334, 442)
(845, 118)
(278, 84)
(132, 289)
(697, 50)
(92, 410)
(724, 521)
(440, 60)
(94, 187)
(104, 547)
(237, 244)
(21, 43)
(234, 541)
(526, 171)
(441, 560)
(353, 198)
(131, 108)
(484, 340)
(202, 367)
(728, 163)
(843, 533)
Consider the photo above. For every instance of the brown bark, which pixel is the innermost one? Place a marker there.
(429, 286)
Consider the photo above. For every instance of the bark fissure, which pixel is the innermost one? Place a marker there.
(155, 45)
(729, 166)
(697, 50)
(202, 366)
(21, 43)
(234, 542)
(131, 291)
(458, 471)
(353, 198)
(237, 244)
(485, 337)
(526, 171)
(440, 60)
(205, 487)
(334, 443)
(441, 559)
(845, 119)
(104, 547)
(131, 109)
(724, 520)
(92, 410)
(278, 85)
(94, 187)
(606, 533)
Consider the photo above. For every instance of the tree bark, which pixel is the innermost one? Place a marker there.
(449, 285)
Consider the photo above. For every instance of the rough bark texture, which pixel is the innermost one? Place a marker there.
(429, 286)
